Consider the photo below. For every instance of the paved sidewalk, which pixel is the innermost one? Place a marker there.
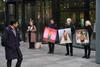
(40, 58)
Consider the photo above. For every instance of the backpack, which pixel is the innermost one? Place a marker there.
(2, 40)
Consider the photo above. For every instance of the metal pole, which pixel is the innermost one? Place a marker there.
(97, 31)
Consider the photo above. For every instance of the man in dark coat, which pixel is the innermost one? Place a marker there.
(11, 42)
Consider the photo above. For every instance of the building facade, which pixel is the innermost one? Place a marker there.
(42, 10)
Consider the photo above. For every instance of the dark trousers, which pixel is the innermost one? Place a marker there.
(31, 45)
(18, 64)
(71, 48)
(51, 47)
(19, 59)
(87, 50)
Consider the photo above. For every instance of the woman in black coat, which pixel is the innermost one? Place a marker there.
(11, 42)
(87, 49)
(68, 24)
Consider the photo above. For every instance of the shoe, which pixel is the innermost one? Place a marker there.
(84, 57)
(87, 57)
(52, 52)
(33, 47)
(49, 52)
(30, 48)
(66, 54)
(71, 54)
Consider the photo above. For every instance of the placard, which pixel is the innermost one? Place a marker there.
(49, 35)
(82, 36)
(65, 36)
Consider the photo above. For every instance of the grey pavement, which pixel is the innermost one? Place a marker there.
(40, 58)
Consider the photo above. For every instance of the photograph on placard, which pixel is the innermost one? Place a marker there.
(65, 36)
(49, 35)
(82, 36)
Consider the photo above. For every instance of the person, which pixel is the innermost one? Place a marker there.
(68, 24)
(87, 49)
(31, 34)
(51, 45)
(11, 42)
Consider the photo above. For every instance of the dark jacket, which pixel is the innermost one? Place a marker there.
(70, 26)
(11, 44)
(90, 31)
(54, 26)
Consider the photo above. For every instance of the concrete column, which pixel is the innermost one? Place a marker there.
(10, 12)
(98, 31)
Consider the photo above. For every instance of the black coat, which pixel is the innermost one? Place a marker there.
(52, 26)
(70, 26)
(90, 31)
(11, 44)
